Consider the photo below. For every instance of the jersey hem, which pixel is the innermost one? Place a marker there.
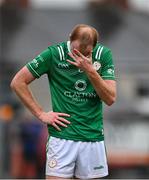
(77, 139)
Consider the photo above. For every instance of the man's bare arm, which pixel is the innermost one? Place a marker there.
(106, 89)
(20, 84)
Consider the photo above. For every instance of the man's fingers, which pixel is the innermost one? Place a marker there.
(58, 119)
(78, 53)
(72, 56)
(63, 114)
(73, 63)
(56, 126)
(63, 120)
(60, 123)
(75, 55)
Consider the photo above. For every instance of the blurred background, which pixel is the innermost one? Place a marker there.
(26, 28)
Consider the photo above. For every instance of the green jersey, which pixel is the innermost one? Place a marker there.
(72, 92)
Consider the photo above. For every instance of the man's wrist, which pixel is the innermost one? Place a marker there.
(38, 113)
(91, 71)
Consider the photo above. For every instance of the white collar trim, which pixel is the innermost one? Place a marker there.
(68, 46)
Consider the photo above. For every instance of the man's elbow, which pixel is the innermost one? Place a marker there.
(13, 84)
(111, 101)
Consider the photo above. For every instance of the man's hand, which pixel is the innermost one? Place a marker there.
(55, 119)
(82, 62)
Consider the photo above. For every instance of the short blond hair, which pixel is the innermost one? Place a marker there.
(86, 34)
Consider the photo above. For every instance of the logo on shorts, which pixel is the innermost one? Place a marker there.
(52, 163)
(99, 167)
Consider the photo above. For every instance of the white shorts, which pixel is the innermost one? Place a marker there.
(83, 160)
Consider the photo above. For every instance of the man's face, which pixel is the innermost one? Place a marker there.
(85, 50)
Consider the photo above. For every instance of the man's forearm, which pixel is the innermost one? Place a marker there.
(104, 90)
(24, 93)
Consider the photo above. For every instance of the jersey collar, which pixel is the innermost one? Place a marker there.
(68, 46)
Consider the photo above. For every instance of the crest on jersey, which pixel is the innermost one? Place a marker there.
(96, 65)
(80, 85)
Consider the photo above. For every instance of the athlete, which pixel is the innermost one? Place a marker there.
(81, 78)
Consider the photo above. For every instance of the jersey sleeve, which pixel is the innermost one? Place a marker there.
(107, 66)
(40, 64)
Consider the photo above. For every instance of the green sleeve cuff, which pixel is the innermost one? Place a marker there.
(108, 78)
(32, 70)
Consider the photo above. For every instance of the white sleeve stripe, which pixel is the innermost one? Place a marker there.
(60, 53)
(100, 53)
(34, 71)
(97, 52)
